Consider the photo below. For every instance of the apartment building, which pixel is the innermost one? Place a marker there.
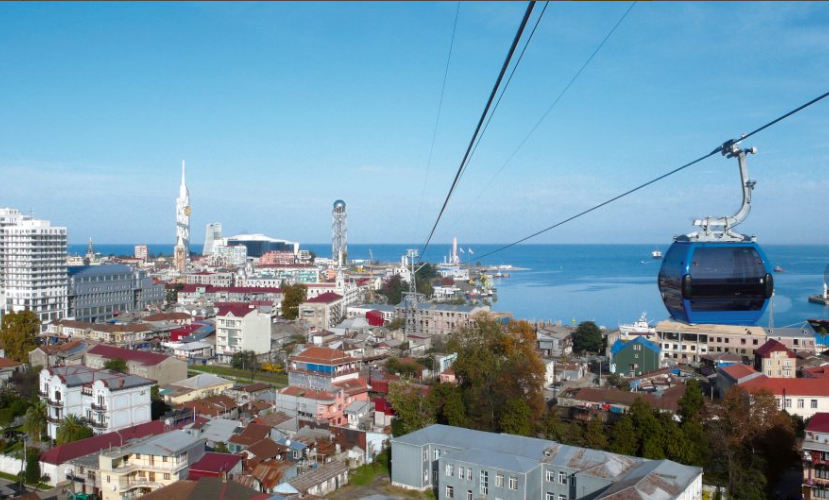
(440, 319)
(323, 311)
(101, 293)
(152, 365)
(774, 359)
(107, 400)
(138, 469)
(241, 327)
(815, 453)
(208, 278)
(464, 464)
(32, 266)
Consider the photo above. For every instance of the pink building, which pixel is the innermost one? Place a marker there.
(276, 258)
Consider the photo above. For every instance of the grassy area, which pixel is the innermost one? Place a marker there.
(365, 474)
(14, 479)
(277, 379)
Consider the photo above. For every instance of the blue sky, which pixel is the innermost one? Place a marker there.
(281, 108)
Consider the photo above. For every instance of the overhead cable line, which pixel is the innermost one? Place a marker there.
(437, 118)
(719, 149)
(546, 113)
(504, 67)
(506, 85)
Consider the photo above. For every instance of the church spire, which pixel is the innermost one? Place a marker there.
(182, 173)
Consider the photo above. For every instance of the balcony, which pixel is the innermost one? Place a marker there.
(42, 394)
(53, 420)
(98, 425)
(58, 404)
(142, 483)
(99, 407)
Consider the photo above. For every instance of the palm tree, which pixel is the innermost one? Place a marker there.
(72, 428)
(34, 422)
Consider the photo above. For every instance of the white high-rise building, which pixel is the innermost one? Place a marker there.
(213, 235)
(32, 266)
(182, 250)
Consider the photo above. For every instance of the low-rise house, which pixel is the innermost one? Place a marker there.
(736, 374)
(159, 367)
(635, 357)
(798, 396)
(107, 400)
(215, 431)
(212, 407)
(191, 350)
(140, 468)
(773, 359)
(177, 318)
(815, 453)
(221, 465)
(66, 354)
(8, 367)
(462, 463)
(245, 394)
(248, 436)
(323, 480)
(111, 333)
(196, 387)
(618, 401)
(554, 341)
(712, 362)
(206, 488)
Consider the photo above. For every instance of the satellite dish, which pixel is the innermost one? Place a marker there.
(112, 487)
(168, 421)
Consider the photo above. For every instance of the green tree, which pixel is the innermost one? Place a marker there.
(447, 402)
(413, 411)
(172, 293)
(649, 430)
(396, 324)
(515, 417)
(157, 405)
(72, 428)
(221, 448)
(292, 297)
(393, 289)
(624, 440)
(587, 338)
(32, 474)
(691, 403)
(18, 334)
(595, 436)
(552, 427)
(117, 365)
(34, 422)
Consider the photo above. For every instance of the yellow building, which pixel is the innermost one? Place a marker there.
(138, 469)
(198, 387)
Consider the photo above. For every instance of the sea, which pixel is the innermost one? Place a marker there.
(608, 284)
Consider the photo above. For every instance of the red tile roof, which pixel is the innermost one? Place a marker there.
(214, 463)
(253, 433)
(237, 309)
(789, 386)
(323, 355)
(765, 350)
(818, 423)
(817, 371)
(325, 298)
(304, 392)
(168, 317)
(738, 371)
(353, 386)
(143, 357)
(191, 288)
(9, 363)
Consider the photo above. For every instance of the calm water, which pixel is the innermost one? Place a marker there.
(606, 283)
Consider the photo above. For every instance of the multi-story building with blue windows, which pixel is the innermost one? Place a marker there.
(100, 293)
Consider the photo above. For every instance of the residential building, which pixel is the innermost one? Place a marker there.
(555, 341)
(775, 360)
(616, 400)
(212, 235)
(462, 463)
(66, 354)
(210, 278)
(815, 453)
(208, 488)
(221, 465)
(199, 386)
(101, 293)
(138, 469)
(322, 368)
(107, 400)
(210, 295)
(321, 406)
(159, 367)
(191, 350)
(8, 367)
(111, 333)
(440, 319)
(323, 311)
(635, 357)
(386, 311)
(323, 480)
(734, 374)
(32, 266)
(798, 396)
(241, 327)
(141, 252)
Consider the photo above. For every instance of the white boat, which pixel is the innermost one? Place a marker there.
(656, 254)
(640, 327)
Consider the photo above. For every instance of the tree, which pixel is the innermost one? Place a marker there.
(649, 431)
(552, 427)
(117, 365)
(157, 405)
(393, 289)
(245, 360)
(515, 417)
(587, 338)
(220, 448)
(292, 297)
(595, 436)
(32, 474)
(72, 428)
(18, 334)
(172, 293)
(413, 411)
(691, 403)
(624, 437)
(34, 423)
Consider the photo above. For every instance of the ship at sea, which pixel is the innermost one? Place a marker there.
(822, 299)
(638, 328)
(656, 254)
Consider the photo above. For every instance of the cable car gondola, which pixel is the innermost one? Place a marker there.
(718, 276)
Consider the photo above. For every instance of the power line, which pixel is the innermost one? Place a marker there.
(437, 118)
(546, 113)
(718, 149)
(480, 122)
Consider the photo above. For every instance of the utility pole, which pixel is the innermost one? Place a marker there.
(412, 297)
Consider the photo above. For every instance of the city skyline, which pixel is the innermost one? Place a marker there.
(295, 106)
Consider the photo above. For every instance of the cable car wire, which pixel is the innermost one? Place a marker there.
(546, 113)
(504, 67)
(437, 118)
(718, 149)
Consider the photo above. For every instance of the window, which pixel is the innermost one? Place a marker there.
(469, 474)
(107, 478)
(437, 454)
(164, 458)
(788, 403)
(499, 480)
(425, 455)
(468, 494)
(562, 478)
(562, 497)
(450, 492)
(814, 403)
(800, 403)
(484, 485)
(549, 496)
(141, 473)
(450, 470)
(166, 476)
(550, 476)
(513, 483)
(460, 471)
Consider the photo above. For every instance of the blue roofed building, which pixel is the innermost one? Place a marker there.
(635, 357)
(458, 463)
(100, 293)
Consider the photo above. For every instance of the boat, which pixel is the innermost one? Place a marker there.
(656, 254)
(779, 269)
(822, 299)
(640, 327)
